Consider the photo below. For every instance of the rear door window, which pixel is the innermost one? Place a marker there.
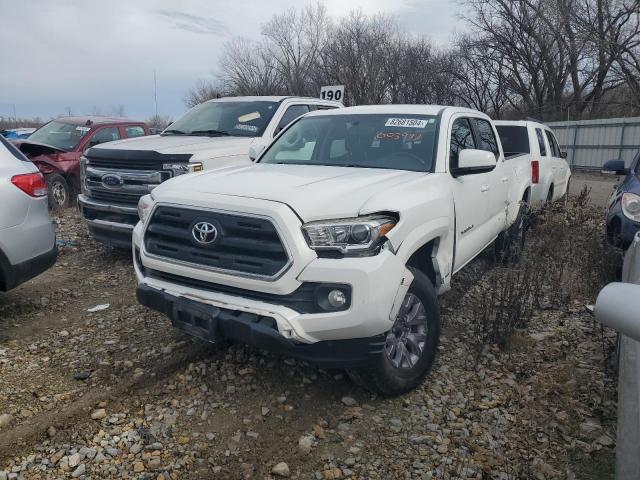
(541, 144)
(514, 139)
(553, 144)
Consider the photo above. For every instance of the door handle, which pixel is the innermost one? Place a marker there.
(484, 188)
(504, 179)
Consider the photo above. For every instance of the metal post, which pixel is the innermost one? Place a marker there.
(621, 141)
(573, 145)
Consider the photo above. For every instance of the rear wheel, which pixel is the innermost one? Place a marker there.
(58, 191)
(550, 195)
(510, 243)
(410, 346)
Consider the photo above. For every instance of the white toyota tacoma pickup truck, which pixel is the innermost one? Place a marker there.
(333, 246)
(211, 135)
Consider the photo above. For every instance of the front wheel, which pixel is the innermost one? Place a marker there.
(410, 346)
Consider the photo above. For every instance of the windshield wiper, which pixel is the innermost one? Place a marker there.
(210, 132)
(174, 132)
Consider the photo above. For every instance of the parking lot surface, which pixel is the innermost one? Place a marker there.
(118, 394)
(599, 185)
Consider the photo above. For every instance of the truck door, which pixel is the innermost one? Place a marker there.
(558, 164)
(499, 177)
(470, 196)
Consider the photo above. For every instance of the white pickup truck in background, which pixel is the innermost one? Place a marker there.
(549, 170)
(333, 246)
(211, 135)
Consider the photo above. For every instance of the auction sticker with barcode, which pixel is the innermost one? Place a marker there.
(406, 122)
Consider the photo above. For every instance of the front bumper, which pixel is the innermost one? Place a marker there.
(378, 285)
(109, 224)
(212, 323)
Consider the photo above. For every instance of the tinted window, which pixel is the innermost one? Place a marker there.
(293, 112)
(240, 119)
(401, 142)
(134, 131)
(461, 138)
(541, 145)
(486, 137)
(552, 143)
(13, 150)
(514, 139)
(65, 136)
(108, 134)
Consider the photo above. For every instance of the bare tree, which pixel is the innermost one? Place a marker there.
(294, 40)
(201, 92)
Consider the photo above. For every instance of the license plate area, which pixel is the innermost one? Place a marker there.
(196, 319)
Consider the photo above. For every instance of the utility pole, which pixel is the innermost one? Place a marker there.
(155, 91)
(15, 117)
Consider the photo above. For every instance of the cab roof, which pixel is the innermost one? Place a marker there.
(393, 110)
(91, 120)
(265, 98)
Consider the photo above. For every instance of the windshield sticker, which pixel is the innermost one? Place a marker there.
(83, 129)
(406, 122)
(249, 116)
(248, 128)
(406, 136)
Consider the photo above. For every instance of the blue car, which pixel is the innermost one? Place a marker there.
(623, 208)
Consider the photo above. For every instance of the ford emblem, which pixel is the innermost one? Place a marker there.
(111, 180)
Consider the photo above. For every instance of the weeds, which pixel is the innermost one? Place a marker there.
(566, 258)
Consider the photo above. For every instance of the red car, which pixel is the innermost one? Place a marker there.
(56, 147)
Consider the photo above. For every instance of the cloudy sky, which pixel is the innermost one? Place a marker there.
(94, 55)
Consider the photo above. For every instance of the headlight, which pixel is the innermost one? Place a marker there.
(631, 206)
(144, 207)
(352, 236)
(83, 175)
(176, 168)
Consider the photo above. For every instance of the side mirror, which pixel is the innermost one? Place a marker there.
(255, 150)
(615, 167)
(472, 161)
(563, 155)
(617, 307)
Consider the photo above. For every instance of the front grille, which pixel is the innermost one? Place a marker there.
(302, 300)
(132, 159)
(244, 245)
(115, 197)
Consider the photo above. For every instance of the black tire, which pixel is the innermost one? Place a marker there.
(382, 375)
(549, 200)
(58, 191)
(510, 243)
(566, 193)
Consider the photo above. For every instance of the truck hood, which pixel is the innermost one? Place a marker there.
(313, 192)
(175, 144)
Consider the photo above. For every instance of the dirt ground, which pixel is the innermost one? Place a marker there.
(118, 394)
(599, 184)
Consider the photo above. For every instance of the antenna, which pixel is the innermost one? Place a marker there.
(155, 91)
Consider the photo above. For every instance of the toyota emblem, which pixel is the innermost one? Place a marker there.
(204, 233)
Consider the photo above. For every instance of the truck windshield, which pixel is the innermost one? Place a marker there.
(239, 119)
(65, 136)
(396, 141)
(514, 139)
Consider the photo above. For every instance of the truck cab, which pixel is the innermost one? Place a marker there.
(214, 134)
(56, 148)
(333, 246)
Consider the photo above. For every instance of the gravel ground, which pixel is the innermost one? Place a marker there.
(118, 394)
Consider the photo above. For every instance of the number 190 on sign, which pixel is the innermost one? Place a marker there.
(333, 92)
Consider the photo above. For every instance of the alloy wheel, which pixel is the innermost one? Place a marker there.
(406, 340)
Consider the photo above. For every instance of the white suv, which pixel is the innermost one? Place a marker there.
(550, 172)
(27, 235)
